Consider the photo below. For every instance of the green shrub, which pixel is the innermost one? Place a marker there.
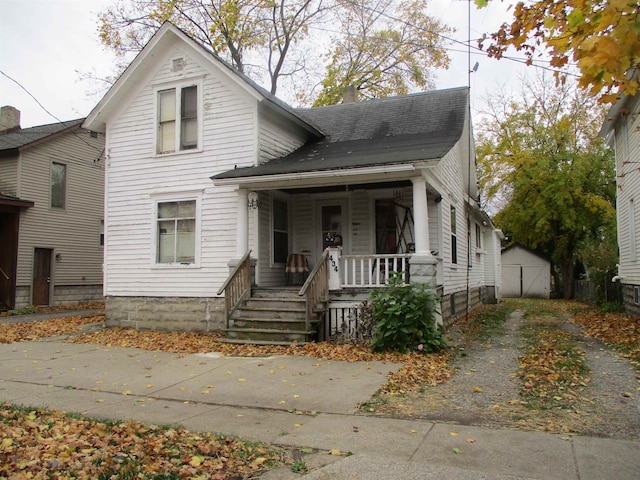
(404, 316)
(27, 309)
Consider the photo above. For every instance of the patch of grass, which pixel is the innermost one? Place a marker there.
(486, 321)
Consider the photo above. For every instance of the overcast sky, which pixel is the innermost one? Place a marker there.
(44, 44)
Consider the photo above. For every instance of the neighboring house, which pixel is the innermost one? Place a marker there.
(622, 131)
(204, 166)
(525, 273)
(51, 211)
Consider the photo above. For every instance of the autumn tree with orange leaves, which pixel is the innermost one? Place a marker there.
(602, 38)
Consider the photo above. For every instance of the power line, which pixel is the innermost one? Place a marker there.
(52, 115)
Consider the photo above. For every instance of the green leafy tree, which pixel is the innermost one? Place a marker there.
(385, 48)
(602, 37)
(542, 155)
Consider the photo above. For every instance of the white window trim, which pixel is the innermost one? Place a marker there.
(174, 197)
(66, 186)
(198, 82)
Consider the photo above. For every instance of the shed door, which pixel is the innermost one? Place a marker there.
(41, 276)
(511, 281)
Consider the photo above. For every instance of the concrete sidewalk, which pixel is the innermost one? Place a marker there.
(294, 401)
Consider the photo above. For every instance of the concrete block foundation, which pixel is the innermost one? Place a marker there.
(169, 314)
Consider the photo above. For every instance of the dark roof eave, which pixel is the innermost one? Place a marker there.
(15, 202)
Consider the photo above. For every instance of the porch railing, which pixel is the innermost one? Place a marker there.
(372, 270)
(316, 289)
(237, 287)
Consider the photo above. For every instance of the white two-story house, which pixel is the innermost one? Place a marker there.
(216, 189)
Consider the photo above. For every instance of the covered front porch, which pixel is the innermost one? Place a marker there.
(331, 244)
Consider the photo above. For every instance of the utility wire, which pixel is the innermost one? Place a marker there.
(52, 115)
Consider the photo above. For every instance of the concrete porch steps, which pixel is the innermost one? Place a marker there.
(272, 316)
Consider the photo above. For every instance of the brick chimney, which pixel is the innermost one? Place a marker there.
(9, 118)
(350, 94)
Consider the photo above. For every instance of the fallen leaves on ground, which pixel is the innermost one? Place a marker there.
(37, 443)
(553, 371)
(57, 308)
(30, 331)
(621, 332)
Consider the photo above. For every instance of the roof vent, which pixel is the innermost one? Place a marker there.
(177, 64)
(9, 118)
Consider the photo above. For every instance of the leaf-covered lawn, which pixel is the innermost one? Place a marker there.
(621, 332)
(31, 331)
(37, 443)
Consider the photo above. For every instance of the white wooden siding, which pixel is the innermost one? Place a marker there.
(73, 232)
(9, 176)
(136, 177)
(628, 177)
(449, 172)
(277, 139)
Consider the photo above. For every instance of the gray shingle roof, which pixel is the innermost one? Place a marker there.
(17, 138)
(422, 126)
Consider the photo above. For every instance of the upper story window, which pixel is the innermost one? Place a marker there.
(58, 184)
(178, 119)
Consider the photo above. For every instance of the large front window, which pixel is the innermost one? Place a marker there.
(176, 232)
(177, 119)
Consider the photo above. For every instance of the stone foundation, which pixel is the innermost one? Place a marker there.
(454, 305)
(190, 314)
(63, 295)
(628, 299)
(76, 294)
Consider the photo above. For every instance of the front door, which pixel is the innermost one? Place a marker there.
(332, 216)
(41, 276)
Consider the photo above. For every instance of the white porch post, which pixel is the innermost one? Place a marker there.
(423, 266)
(242, 229)
(420, 215)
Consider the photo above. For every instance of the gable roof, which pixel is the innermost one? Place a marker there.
(11, 141)
(409, 128)
(168, 31)
(519, 246)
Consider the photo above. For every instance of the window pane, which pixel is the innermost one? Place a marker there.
(167, 105)
(187, 209)
(58, 184)
(189, 137)
(168, 210)
(166, 241)
(280, 217)
(190, 102)
(186, 244)
(189, 118)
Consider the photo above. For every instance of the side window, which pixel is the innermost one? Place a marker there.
(280, 220)
(454, 237)
(102, 232)
(632, 231)
(178, 119)
(176, 226)
(478, 236)
(58, 184)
